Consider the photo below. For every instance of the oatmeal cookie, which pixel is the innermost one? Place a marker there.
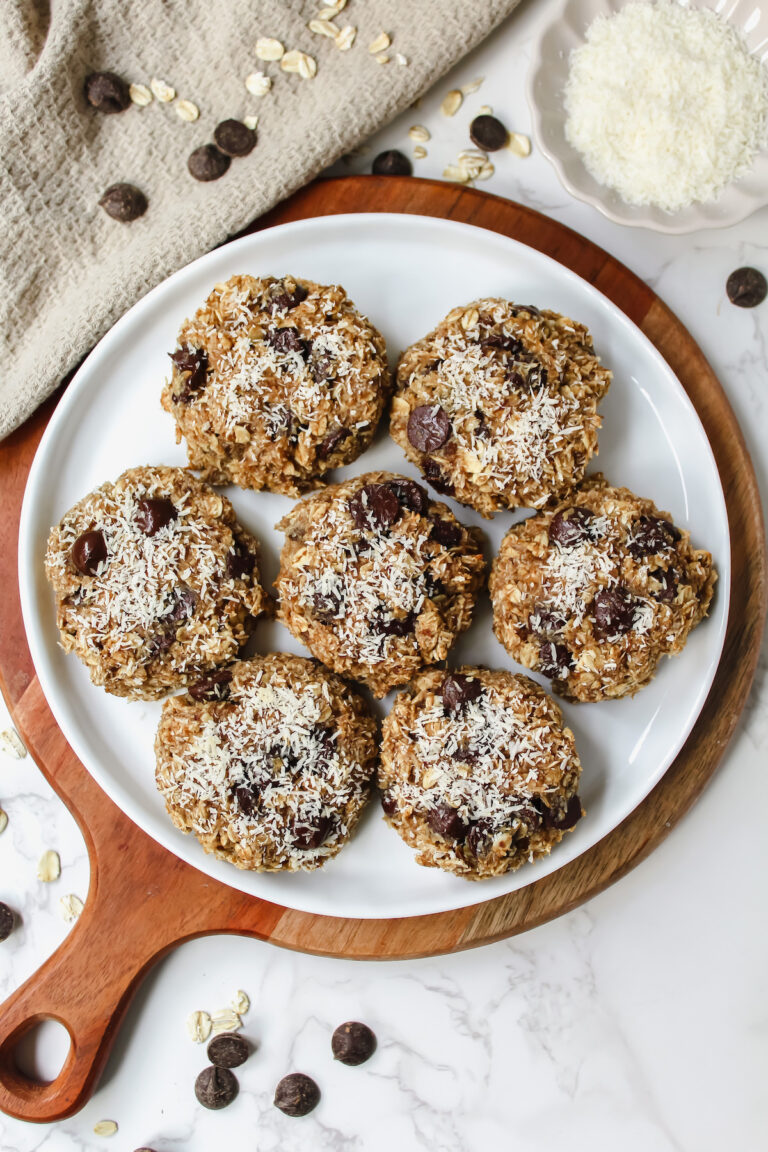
(155, 581)
(376, 579)
(275, 382)
(498, 405)
(268, 763)
(477, 772)
(596, 591)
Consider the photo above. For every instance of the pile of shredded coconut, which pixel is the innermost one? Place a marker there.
(665, 104)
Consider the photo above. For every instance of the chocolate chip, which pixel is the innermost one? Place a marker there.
(488, 133)
(182, 606)
(88, 551)
(374, 506)
(233, 138)
(195, 362)
(213, 687)
(286, 340)
(123, 202)
(504, 343)
(437, 478)
(546, 621)
(207, 163)
(572, 814)
(446, 822)
(746, 287)
(650, 535)
(311, 833)
(516, 379)
(7, 921)
(391, 163)
(428, 427)
(518, 308)
(288, 298)
(433, 587)
(240, 562)
(537, 814)
(480, 838)
(459, 690)
(107, 92)
(446, 532)
(555, 660)
(322, 367)
(394, 626)
(410, 495)
(570, 527)
(155, 513)
(668, 581)
(297, 1094)
(246, 797)
(216, 1087)
(228, 1051)
(353, 1043)
(614, 612)
(327, 605)
(332, 442)
(388, 803)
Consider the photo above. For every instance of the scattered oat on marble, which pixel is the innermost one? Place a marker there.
(269, 49)
(240, 1003)
(258, 83)
(485, 110)
(468, 89)
(71, 906)
(186, 110)
(519, 144)
(162, 91)
(49, 866)
(105, 1128)
(452, 102)
(380, 44)
(455, 174)
(225, 1020)
(346, 38)
(250, 122)
(12, 744)
(324, 28)
(199, 1026)
(419, 134)
(486, 171)
(419, 152)
(140, 95)
(3, 821)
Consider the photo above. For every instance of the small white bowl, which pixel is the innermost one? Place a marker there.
(546, 82)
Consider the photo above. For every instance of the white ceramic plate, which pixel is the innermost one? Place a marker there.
(564, 31)
(405, 272)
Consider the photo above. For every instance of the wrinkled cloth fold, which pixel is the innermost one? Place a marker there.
(67, 270)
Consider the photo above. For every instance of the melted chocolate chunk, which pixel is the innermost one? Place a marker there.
(332, 442)
(446, 532)
(287, 298)
(322, 367)
(155, 513)
(213, 687)
(446, 822)
(285, 340)
(353, 1043)
(509, 344)
(516, 379)
(107, 92)
(614, 612)
(459, 690)
(571, 526)
(479, 839)
(555, 660)
(410, 495)
(195, 362)
(518, 308)
(326, 606)
(246, 797)
(388, 803)
(546, 621)
(428, 427)
(650, 535)
(374, 506)
(183, 605)
(437, 478)
(240, 562)
(572, 814)
(88, 551)
(312, 833)
(668, 580)
(297, 1094)
(394, 626)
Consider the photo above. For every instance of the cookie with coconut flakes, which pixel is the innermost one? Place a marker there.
(268, 763)
(596, 591)
(155, 581)
(477, 772)
(498, 405)
(275, 382)
(376, 579)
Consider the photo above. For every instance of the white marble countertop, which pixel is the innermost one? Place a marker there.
(636, 1022)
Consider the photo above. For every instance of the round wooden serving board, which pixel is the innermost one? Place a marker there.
(143, 901)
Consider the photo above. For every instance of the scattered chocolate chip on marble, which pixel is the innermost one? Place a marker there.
(213, 687)
(233, 138)
(392, 163)
(7, 921)
(207, 163)
(746, 287)
(353, 1043)
(123, 202)
(107, 92)
(216, 1087)
(428, 427)
(228, 1051)
(155, 513)
(488, 133)
(297, 1094)
(88, 551)
(459, 690)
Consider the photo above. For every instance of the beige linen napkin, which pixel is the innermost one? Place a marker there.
(67, 270)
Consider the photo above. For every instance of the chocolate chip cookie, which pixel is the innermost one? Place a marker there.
(596, 591)
(498, 405)
(376, 579)
(275, 382)
(477, 772)
(268, 763)
(155, 581)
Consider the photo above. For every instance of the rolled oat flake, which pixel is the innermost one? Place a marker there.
(123, 202)
(746, 287)
(208, 163)
(233, 138)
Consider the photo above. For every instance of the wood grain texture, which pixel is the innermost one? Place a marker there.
(143, 901)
